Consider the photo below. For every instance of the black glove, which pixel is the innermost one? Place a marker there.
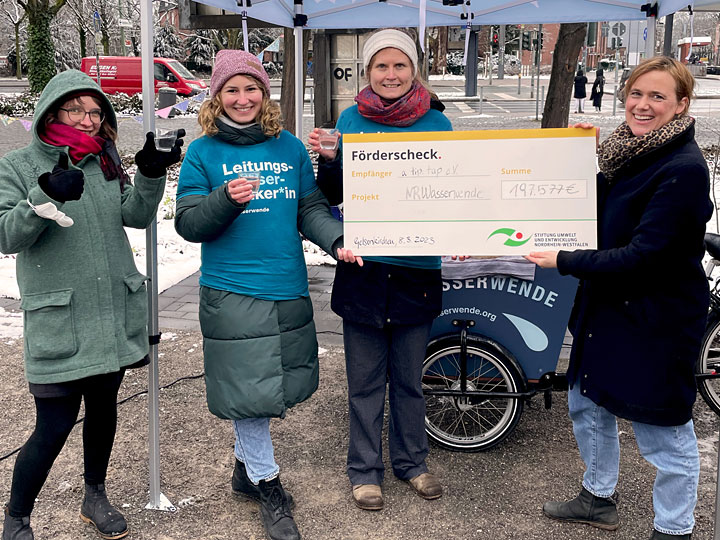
(62, 184)
(153, 163)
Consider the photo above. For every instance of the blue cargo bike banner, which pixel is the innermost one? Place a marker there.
(527, 317)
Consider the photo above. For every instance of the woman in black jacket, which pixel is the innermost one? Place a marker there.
(640, 311)
(580, 93)
(598, 89)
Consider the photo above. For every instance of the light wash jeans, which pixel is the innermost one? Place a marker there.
(672, 450)
(254, 447)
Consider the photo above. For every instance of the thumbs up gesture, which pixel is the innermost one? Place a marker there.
(62, 184)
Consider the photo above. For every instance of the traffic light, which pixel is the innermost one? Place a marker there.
(526, 41)
(495, 39)
(540, 36)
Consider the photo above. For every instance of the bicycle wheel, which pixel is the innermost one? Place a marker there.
(709, 363)
(470, 424)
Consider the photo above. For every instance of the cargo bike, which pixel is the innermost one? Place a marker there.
(494, 346)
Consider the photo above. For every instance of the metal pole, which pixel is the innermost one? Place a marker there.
(667, 41)
(519, 81)
(650, 41)
(539, 56)
(501, 53)
(471, 70)
(542, 99)
(299, 75)
(537, 103)
(158, 501)
(615, 99)
(482, 88)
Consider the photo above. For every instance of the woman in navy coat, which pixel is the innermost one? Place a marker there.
(640, 312)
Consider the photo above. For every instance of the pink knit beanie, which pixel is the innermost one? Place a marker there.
(230, 62)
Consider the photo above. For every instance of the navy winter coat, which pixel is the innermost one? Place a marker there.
(640, 311)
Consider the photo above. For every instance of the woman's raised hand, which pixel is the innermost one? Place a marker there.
(314, 142)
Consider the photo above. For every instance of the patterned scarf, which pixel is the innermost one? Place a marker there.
(402, 112)
(81, 144)
(622, 145)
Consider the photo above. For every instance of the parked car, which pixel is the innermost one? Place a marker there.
(124, 74)
(713, 70)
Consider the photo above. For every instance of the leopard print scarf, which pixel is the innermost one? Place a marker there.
(622, 145)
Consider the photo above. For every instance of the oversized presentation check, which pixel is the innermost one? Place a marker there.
(502, 192)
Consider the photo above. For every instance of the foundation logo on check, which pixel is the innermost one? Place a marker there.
(514, 238)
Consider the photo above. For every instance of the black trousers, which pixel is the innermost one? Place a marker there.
(374, 356)
(55, 418)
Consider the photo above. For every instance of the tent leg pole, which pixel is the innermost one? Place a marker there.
(157, 500)
(299, 80)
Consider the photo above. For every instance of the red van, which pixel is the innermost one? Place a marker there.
(124, 74)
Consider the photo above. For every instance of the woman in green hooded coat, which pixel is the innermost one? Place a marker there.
(64, 200)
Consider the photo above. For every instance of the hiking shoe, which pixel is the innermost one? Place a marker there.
(368, 496)
(97, 510)
(275, 511)
(585, 508)
(243, 487)
(427, 486)
(16, 528)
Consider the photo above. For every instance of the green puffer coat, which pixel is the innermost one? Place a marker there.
(84, 301)
(260, 355)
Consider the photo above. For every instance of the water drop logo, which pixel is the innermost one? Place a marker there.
(514, 238)
(533, 336)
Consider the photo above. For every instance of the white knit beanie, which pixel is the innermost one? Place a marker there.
(389, 38)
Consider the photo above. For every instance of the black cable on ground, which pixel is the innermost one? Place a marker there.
(79, 420)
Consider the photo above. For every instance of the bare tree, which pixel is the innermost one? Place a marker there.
(567, 49)
(287, 97)
(12, 13)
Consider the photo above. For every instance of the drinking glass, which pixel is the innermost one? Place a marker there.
(165, 139)
(329, 138)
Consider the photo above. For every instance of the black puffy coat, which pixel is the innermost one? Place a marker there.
(580, 83)
(640, 311)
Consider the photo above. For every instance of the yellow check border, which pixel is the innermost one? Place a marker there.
(404, 136)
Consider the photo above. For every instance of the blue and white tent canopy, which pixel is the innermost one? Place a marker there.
(335, 14)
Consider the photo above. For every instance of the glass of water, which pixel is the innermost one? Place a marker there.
(165, 139)
(329, 138)
(253, 178)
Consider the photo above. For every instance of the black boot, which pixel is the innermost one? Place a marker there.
(243, 487)
(585, 508)
(657, 535)
(275, 511)
(97, 510)
(17, 528)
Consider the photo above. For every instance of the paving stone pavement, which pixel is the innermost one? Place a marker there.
(178, 305)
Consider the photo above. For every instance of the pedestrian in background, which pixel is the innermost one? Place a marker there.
(640, 312)
(598, 89)
(580, 92)
(64, 200)
(389, 303)
(259, 341)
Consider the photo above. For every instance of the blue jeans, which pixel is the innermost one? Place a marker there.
(254, 447)
(672, 450)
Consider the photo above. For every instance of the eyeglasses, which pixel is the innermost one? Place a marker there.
(78, 115)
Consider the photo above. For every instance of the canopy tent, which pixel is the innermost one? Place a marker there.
(343, 14)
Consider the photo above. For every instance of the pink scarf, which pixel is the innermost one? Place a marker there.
(80, 144)
(402, 112)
